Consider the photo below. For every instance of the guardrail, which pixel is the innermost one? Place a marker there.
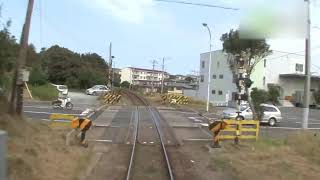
(234, 130)
(3, 152)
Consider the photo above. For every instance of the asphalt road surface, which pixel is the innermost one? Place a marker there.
(292, 117)
(42, 110)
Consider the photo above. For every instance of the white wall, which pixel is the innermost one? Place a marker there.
(219, 66)
(276, 64)
(126, 75)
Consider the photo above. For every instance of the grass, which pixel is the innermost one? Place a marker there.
(36, 151)
(294, 157)
(45, 92)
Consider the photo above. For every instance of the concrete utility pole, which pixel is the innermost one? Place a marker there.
(16, 104)
(307, 71)
(110, 65)
(162, 80)
(209, 71)
(154, 62)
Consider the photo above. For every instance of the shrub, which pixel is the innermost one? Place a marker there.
(45, 92)
(125, 84)
(274, 95)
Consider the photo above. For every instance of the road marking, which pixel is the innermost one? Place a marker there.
(290, 128)
(101, 125)
(291, 118)
(308, 123)
(37, 112)
(49, 107)
(182, 112)
(100, 140)
(197, 140)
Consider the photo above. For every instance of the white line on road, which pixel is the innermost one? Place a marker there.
(37, 112)
(308, 123)
(289, 128)
(291, 118)
(50, 107)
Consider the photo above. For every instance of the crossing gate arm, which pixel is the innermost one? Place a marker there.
(59, 119)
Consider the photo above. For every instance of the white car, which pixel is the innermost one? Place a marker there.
(271, 114)
(62, 89)
(97, 90)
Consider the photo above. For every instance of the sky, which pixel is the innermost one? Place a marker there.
(144, 30)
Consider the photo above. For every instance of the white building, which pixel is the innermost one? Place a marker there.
(284, 71)
(142, 77)
(222, 87)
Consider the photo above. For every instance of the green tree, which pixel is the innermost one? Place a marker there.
(258, 97)
(37, 77)
(252, 51)
(316, 96)
(125, 84)
(274, 95)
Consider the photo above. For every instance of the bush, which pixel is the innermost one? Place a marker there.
(37, 77)
(125, 84)
(258, 97)
(274, 95)
(316, 96)
(45, 92)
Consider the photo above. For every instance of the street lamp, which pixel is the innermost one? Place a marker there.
(210, 62)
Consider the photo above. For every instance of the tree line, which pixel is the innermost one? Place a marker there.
(56, 64)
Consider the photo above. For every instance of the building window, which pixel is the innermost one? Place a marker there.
(221, 76)
(202, 64)
(264, 81)
(214, 76)
(218, 64)
(264, 62)
(201, 78)
(213, 91)
(220, 93)
(299, 67)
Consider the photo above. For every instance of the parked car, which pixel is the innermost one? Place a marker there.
(97, 90)
(271, 114)
(62, 89)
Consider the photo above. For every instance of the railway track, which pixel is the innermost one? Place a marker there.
(142, 106)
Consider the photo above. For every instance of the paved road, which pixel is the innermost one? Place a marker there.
(292, 117)
(42, 110)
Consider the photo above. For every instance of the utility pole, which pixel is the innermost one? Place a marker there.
(154, 62)
(307, 71)
(110, 65)
(16, 104)
(162, 80)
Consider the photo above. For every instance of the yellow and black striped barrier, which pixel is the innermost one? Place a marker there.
(175, 99)
(234, 130)
(112, 97)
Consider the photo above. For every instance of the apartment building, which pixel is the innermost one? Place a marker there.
(143, 77)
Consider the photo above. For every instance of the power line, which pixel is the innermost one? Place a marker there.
(198, 4)
(291, 53)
